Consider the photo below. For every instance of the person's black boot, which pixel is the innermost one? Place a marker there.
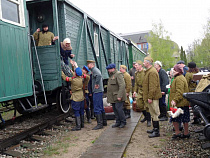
(88, 116)
(82, 120)
(92, 113)
(155, 132)
(151, 131)
(104, 119)
(145, 116)
(148, 116)
(196, 120)
(116, 125)
(78, 124)
(128, 114)
(163, 114)
(99, 120)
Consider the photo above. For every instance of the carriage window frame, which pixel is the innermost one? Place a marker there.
(96, 44)
(20, 12)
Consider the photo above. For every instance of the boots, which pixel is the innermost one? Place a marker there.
(82, 120)
(104, 119)
(78, 124)
(127, 113)
(92, 113)
(145, 116)
(88, 116)
(99, 122)
(148, 119)
(155, 132)
(163, 112)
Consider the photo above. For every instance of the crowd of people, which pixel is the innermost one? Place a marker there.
(145, 83)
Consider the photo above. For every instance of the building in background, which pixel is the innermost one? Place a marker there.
(140, 38)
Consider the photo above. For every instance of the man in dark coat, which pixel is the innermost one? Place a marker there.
(164, 80)
(116, 94)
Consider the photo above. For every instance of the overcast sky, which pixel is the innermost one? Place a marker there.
(184, 19)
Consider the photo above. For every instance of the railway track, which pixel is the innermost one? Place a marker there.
(12, 136)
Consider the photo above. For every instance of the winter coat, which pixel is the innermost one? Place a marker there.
(178, 87)
(127, 79)
(76, 87)
(139, 77)
(164, 80)
(191, 84)
(151, 85)
(43, 39)
(116, 87)
(97, 80)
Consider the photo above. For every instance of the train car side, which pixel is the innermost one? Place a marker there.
(15, 67)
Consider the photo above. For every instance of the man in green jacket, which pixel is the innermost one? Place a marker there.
(44, 37)
(152, 94)
(116, 94)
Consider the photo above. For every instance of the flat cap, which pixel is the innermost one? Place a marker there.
(149, 59)
(123, 66)
(180, 62)
(110, 66)
(86, 68)
(90, 61)
(159, 63)
(139, 62)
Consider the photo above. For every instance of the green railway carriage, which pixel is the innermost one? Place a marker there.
(32, 75)
(135, 53)
(15, 79)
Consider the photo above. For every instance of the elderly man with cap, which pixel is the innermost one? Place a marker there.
(132, 74)
(182, 64)
(164, 80)
(116, 94)
(127, 78)
(44, 37)
(97, 92)
(139, 77)
(86, 77)
(152, 94)
(77, 96)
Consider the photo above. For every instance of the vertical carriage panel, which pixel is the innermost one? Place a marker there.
(15, 78)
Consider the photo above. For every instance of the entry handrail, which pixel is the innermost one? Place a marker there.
(40, 71)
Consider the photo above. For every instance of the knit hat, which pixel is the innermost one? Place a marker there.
(66, 40)
(179, 68)
(159, 63)
(78, 71)
(139, 62)
(192, 65)
(123, 66)
(149, 59)
(110, 66)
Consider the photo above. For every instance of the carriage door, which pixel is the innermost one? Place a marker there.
(44, 12)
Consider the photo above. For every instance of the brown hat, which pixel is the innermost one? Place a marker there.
(149, 59)
(90, 61)
(123, 66)
(139, 62)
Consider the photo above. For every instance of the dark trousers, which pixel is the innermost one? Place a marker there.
(98, 103)
(162, 106)
(78, 108)
(87, 102)
(119, 113)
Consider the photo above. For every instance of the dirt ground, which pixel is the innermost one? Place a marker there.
(79, 142)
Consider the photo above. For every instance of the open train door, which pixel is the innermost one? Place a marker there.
(46, 59)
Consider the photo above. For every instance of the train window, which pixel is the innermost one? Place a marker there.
(96, 44)
(12, 11)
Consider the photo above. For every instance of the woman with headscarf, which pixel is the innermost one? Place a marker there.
(178, 87)
(65, 51)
